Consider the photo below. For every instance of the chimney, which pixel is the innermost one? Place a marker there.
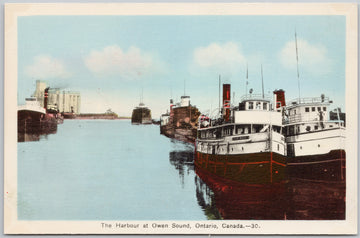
(226, 101)
(280, 98)
(46, 95)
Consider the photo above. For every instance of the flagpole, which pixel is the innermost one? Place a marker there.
(262, 81)
(247, 77)
(297, 64)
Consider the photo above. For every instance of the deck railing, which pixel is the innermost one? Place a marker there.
(255, 97)
(309, 100)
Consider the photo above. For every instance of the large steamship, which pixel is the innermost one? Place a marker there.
(245, 144)
(34, 119)
(315, 144)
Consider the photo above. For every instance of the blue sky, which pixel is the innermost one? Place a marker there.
(110, 59)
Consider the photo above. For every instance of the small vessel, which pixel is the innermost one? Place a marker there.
(68, 115)
(315, 144)
(245, 143)
(141, 115)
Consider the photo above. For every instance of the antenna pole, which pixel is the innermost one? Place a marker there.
(247, 77)
(184, 87)
(262, 82)
(219, 91)
(297, 64)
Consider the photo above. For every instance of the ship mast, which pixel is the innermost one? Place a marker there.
(262, 81)
(247, 78)
(297, 64)
(219, 92)
(184, 87)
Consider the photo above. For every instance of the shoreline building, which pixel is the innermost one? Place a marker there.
(64, 101)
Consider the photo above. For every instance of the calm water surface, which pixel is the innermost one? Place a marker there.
(112, 170)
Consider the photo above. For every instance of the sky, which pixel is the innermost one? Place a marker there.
(112, 60)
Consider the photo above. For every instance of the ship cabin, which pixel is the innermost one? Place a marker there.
(164, 119)
(309, 115)
(253, 115)
(141, 105)
(32, 104)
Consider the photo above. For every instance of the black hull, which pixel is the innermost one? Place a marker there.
(32, 124)
(256, 168)
(141, 116)
(325, 167)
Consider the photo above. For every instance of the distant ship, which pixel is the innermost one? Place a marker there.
(245, 144)
(141, 115)
(181, 122)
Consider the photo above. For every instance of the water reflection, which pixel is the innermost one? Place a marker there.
(27, 137)
(316, 200)
(242, 202)
(292, 199)
(182, 158)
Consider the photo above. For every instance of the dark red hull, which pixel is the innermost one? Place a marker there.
(256, 168)
(325, 167)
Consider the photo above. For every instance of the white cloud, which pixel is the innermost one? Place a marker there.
(224, 58)
(312, 58)
(112, 60)
(46, 67)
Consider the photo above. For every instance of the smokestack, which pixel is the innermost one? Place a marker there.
(280, 98)
(226, 101)
(46, 95)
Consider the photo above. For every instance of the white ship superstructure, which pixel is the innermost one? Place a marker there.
(315, 144)
(246, 143)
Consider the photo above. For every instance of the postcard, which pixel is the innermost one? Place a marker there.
(181, 118)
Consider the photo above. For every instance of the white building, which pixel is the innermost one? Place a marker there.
(64, 101)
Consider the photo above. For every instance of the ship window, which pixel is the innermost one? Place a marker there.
(300, 147)
(307, 109)
(251, 105)
(265, 106)
(294, 112)
(318, 145)
(319, 109)
(278, 147)
(258, 105)
(324, 109)
(316, 127)
(313, 109)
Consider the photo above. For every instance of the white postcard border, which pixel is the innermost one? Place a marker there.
(14, 226)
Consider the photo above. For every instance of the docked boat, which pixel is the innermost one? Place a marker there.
(181, 122)
(315, 144)
(245, 144)
(33, 119)
(141, 115)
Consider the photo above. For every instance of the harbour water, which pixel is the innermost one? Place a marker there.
(112, 170)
